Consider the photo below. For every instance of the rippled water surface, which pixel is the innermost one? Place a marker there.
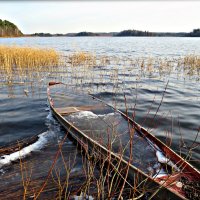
(168, 105)
(125, 46)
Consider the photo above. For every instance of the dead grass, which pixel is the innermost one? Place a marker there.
(30, 63)
(27, 57)
(21, 61)
(192, 64)
(82, 58)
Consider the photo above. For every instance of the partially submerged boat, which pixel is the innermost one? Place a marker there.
(103, 131)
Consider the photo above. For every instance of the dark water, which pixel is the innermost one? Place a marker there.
(23, 115)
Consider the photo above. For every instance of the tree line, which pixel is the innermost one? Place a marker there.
(8, 29)
(125, 33)
(194, 33)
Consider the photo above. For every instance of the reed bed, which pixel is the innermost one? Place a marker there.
(23, 61)
(27, 57)
(30, 63)
(188, 65)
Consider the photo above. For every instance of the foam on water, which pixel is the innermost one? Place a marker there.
(50, 116)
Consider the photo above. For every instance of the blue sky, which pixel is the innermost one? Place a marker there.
(101, 16)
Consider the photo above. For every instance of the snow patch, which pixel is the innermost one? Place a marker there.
(83, 196)
(106, 115)
(88, 114)
(38, 145)
(163, 159)
(85, 114)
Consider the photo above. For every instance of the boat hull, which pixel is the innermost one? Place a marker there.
(157, 187)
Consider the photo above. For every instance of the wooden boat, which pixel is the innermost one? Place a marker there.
(149, 164)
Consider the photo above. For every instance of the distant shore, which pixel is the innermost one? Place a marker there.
(125, 33)
(8, 29)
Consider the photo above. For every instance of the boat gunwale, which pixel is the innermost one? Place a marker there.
(139, 128)
(158, 142)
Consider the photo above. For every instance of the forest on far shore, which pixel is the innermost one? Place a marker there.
(125, 33)
(8, 29)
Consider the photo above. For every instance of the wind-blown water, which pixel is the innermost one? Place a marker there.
(117, 46)
(178, 117)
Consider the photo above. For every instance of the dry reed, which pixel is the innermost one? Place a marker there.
(82, 58)
(22, 61)
(25, 57)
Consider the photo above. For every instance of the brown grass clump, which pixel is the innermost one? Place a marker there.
(192, 60)
(82, 58)
(192, 64)
(18, 60)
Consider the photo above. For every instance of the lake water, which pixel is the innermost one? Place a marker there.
(117, 46)
(178, 116)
